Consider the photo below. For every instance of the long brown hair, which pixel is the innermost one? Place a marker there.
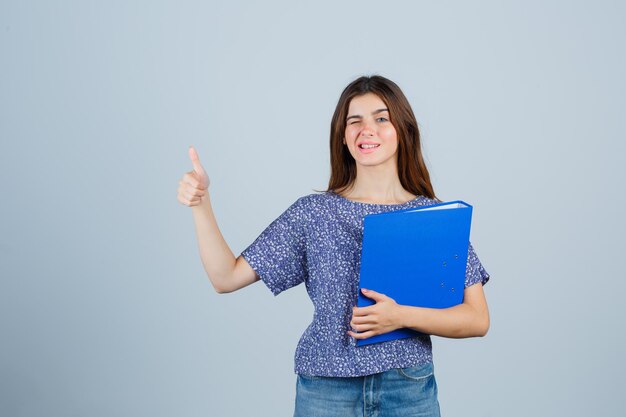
(412, 170)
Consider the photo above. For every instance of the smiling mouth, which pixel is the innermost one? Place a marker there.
(366, 146)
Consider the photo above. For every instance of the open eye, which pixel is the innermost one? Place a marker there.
(384, 119)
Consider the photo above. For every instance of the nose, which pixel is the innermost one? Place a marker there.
(368, 129)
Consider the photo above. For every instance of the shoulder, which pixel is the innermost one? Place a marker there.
(312, 206)
(427, 201)
(307, 206)
(313, 200)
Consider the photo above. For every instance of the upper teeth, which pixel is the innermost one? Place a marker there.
(367, 145)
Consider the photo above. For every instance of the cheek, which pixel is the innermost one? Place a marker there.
(350, 132)
(389, 135)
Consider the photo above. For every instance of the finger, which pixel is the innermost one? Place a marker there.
(192, 197)
(187, 193)
(362, 320)
(362, 311)
(189, 201)
(195, 160)
(189, 185)
(364, 335)
(362, 327)
(184, 201)
(187, 198)
(376, 296)
(191, 178)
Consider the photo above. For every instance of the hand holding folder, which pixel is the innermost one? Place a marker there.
(416, 256)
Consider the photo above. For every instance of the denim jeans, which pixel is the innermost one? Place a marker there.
(403, 392)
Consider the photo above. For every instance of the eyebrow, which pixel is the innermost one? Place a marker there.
(358, 116)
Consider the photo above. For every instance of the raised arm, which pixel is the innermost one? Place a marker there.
(226, 273)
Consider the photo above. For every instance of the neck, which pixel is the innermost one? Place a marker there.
(378, 184)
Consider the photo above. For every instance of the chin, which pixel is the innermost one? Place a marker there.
(377, 161)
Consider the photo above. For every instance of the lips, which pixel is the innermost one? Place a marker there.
(368, 149)
(369, 145)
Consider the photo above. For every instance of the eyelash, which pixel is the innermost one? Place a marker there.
(376, 119)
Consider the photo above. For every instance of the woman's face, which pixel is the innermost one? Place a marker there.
(367, 124)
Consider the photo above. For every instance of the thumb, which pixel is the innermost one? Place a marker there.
(197, 167)
(376, 296)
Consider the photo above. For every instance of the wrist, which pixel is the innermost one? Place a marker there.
(401, 316)
(205, 204)
(410, 317)
(206, 199)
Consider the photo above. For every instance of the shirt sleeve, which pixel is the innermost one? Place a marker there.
(475, 272)
(278, 254)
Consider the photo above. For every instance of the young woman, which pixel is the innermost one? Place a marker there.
(376, 166)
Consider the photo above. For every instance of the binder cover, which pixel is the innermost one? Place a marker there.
(416, 256)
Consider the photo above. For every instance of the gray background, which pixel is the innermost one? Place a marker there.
(105, 309)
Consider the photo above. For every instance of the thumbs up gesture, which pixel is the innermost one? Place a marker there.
(194, 184)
